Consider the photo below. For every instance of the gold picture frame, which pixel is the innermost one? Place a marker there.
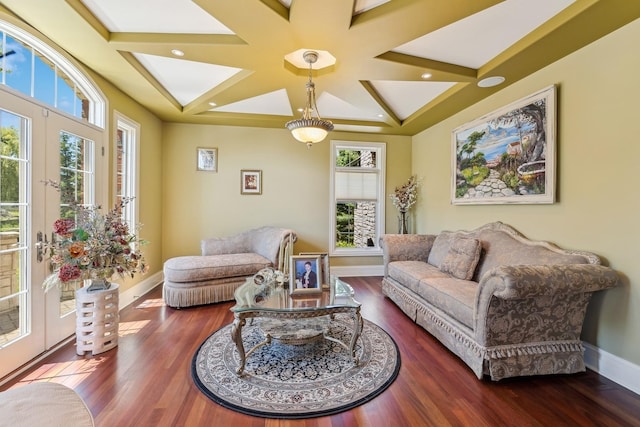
(305, 275)
(250, 181)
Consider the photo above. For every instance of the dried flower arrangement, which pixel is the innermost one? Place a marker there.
(406, 195)
(93, 246)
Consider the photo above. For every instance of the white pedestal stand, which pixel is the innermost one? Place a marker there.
(97, 320)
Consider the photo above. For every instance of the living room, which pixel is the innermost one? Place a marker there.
(594, 210)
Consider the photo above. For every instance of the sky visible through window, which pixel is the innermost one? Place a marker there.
(30, 72)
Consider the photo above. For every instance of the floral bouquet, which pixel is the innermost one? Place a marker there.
(93, 246)
(406, 195)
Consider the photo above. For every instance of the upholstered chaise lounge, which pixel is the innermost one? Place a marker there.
(506, 305)
(224, 264)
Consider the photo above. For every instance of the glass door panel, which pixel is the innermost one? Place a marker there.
(72, 163)
(36, 145)
(21, 305)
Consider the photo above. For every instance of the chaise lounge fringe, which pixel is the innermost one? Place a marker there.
(224, 264)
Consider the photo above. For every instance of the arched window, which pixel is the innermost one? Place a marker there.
(32, 68)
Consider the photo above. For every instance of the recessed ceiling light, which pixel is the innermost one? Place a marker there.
(381, 115)
(491, 81)
(426, 75)
(177, 52)
(213, 104)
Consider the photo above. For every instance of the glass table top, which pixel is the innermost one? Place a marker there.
(275, 297)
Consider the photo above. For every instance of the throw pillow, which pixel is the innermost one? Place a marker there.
(440, 247)
(462, 258)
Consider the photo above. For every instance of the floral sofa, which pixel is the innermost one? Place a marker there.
(506, 305)
(224, 264)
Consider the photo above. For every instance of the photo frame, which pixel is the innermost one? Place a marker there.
(207, 159)
(305, 274)
(507, 156)
(305, 302)
(250, 181)
(324, 264)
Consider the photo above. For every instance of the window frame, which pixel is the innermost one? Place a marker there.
(131, 167)
(97, 104)
(380, 171)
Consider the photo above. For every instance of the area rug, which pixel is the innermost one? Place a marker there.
(296, 381)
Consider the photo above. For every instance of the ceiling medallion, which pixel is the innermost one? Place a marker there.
(308, 129)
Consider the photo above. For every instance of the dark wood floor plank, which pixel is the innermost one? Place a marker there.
(146, 380)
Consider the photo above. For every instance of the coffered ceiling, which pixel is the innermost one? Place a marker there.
(385, 66)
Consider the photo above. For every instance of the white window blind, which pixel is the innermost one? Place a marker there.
(356, 186)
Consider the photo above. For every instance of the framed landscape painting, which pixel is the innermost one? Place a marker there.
(507, 156)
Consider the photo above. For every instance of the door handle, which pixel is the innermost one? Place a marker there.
(40, 244)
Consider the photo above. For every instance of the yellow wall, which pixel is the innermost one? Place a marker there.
(295, 185)
(597, 186)
(149, 198)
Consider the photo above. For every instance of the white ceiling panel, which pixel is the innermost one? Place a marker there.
(275, 102)
(475, 40)
(155, 16)
(172, 75)
(337, 108)
(405, 98)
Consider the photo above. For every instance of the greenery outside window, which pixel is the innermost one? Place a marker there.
(357, 197)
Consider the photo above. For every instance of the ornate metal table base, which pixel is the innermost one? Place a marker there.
(284, 326)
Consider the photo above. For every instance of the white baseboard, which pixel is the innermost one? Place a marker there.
(610, 366)
(130, 295)
(357, 270)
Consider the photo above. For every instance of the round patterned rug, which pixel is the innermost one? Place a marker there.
(296, 381)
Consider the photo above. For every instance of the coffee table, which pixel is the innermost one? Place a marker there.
(297, 319)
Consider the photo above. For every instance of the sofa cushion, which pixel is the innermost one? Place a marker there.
(201, 268)
(440, 247)
(410, 273)
(462, 258)
(453, 296)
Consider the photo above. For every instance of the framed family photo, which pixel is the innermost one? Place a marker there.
(305, 274)
(507, 156)
(324, 266)
(250, 181)
(207, 159)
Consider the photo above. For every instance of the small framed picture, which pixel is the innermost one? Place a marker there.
(324, 265)
(250, 181)
(207, 159)
(306, 274)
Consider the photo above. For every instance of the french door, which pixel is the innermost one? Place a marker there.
(37, 144)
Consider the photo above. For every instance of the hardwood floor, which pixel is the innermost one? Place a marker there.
(146, 380)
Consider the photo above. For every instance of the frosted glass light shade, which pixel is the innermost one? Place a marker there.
(309, 130)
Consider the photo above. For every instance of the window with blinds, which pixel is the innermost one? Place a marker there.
(357, 194)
